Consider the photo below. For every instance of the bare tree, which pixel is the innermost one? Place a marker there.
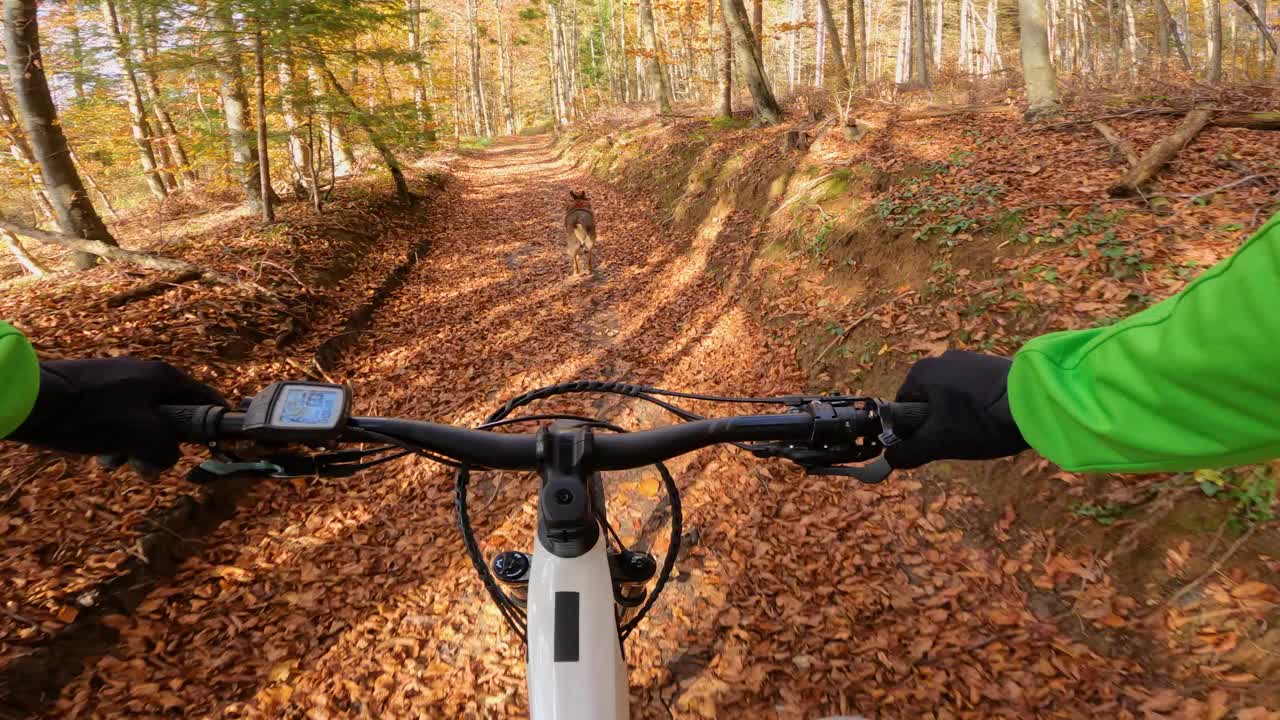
(75, 214)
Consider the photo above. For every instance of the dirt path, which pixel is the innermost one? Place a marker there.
(801, 598)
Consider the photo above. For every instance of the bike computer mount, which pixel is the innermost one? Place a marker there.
(307, 413)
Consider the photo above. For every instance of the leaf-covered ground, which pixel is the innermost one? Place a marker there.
(798, 598)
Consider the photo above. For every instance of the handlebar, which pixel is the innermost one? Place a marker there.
(512, 451)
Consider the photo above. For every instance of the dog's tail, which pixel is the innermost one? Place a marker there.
(585, 238)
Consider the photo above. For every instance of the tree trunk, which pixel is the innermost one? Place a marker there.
(757, 25)
(1213, 31)
(393, 166)
(726, 65)
(235, 107)
(71, 205)
(837, 52)
(850, 42)
(657, 74)
(991, 49)
(24, 258)
(1173, 33)
(819, 49)
(504, 72)
(919, 45)
(264, 159)
(343, 159)
(937, 34)
(142, 135)
(861, 48)
(793, 45)
(423, 112)
(1037, 68)
(765, 106)
(300, 145)
(77, 61)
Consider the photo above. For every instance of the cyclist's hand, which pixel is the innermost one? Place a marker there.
(108, 407)
(969, 416)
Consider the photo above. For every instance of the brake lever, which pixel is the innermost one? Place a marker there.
(282, 466)
(813, 462)
(872, 473)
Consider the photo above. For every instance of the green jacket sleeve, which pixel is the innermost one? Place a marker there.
(1192, 382)
(19, 379)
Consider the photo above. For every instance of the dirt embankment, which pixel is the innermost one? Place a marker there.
(978, 232)
(80, 545)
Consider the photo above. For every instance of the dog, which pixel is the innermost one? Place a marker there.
(579, 232)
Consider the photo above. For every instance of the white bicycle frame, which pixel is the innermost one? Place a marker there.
(575, 667)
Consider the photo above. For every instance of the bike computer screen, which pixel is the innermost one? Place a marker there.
(301, 412)
(308, 406)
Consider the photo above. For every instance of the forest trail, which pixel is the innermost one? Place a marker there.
(801, 598)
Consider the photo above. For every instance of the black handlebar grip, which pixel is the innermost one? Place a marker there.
(905, 417)
(194, 423)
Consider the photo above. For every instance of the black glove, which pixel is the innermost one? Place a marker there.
(107, 407)
(969, 416)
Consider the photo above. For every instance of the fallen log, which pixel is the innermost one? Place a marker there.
(1159, 154)
(109, 252)
(1250, 121)
(936, 111)
(151, 289)
(1119, 144)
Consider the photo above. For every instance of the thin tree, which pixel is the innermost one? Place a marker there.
(422, 110)
(75, 214)
(1037, 69)
(235, 106)
(20, 149)
(264, 163)
(142, 135)
(657, 74)
(764, 104)
(726, 65)
(504, 72)
(301, 147)
(1213, 31)
(844, 70)
(375, 138)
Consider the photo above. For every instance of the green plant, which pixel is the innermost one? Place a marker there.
(821, 241)
(1123, 262)
(1251, 491)
(1101, 514)
(475, 143)
(726, 122)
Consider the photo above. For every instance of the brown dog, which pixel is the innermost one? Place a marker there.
(579, 232)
